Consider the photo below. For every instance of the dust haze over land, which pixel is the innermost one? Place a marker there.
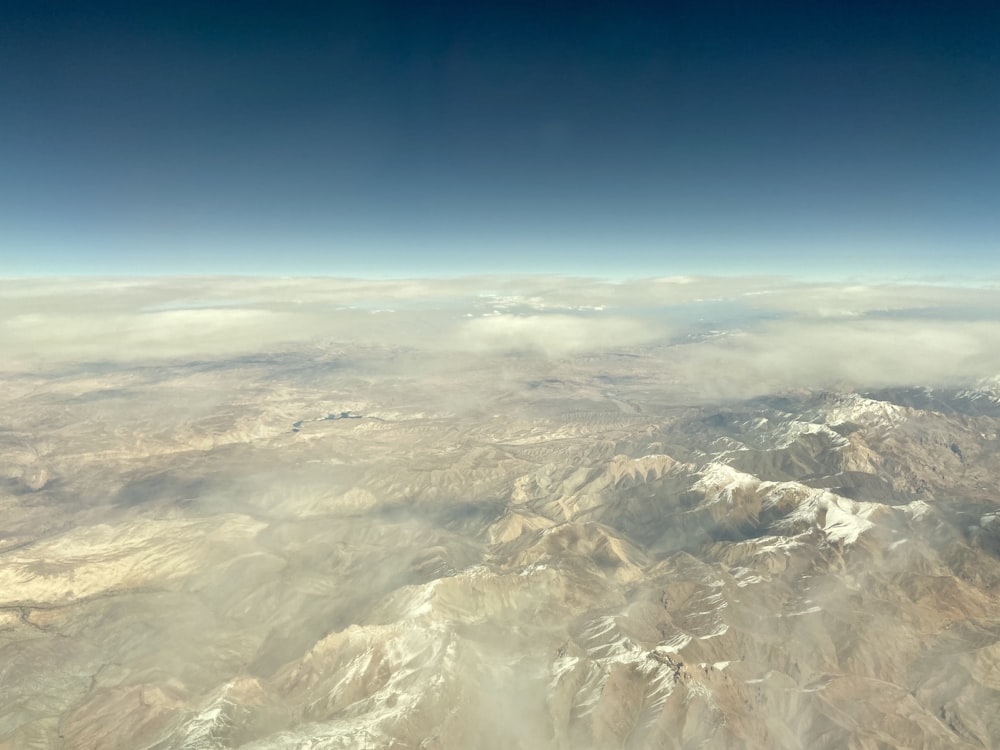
(792, 335)
(535, 512)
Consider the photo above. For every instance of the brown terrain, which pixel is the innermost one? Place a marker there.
(382, 548)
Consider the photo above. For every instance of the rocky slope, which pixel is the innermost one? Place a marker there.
(218, 558)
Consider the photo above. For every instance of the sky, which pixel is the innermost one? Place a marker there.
(386, 139)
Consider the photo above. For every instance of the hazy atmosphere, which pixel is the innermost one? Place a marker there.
(736, 337)
(524, 376)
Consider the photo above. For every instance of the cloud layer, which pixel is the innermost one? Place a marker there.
(729, 337)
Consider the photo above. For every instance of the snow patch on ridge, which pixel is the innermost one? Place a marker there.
(841, 520)
(720, 481)
(868, 412)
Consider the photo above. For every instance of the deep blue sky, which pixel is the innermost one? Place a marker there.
(461, 137)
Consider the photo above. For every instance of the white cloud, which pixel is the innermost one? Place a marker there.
(552, 334)
(853, 353)
(781, 334)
